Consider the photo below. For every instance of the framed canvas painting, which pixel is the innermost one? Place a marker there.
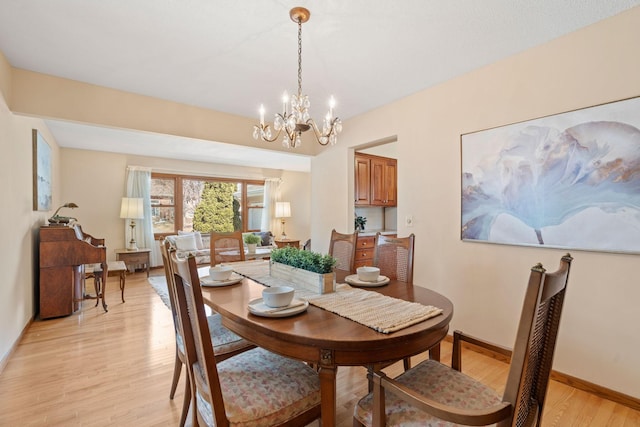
(570, 180)
(41, 173)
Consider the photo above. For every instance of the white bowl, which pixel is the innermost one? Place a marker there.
(368, 274)
(220, 272)
(278, 296)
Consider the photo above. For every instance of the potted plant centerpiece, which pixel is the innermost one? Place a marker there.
(305, 269)
(252, 241)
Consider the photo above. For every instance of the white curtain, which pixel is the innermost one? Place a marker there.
(139, 185)
(271, 196)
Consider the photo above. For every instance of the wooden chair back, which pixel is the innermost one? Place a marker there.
(394, 257)
(197, 340)
(343, 248)
(166, 249)
(535, 344)
(226, 247)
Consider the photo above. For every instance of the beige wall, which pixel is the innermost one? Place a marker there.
(19, 224)
(599, 333)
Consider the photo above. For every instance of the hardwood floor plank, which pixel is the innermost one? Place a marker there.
(114, 369)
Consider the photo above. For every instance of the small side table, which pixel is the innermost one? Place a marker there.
(283, 243)
(133, 258)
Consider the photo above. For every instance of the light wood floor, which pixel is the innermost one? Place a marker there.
(114, 369)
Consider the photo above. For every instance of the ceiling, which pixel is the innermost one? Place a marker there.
(231, 55)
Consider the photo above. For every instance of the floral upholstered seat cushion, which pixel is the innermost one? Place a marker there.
(263, 388)
(224, 341)
(435, 381)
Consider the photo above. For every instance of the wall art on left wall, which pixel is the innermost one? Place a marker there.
(41, 173)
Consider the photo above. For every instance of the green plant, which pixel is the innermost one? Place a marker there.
(359, 222)
(305, 260)
(252, 239)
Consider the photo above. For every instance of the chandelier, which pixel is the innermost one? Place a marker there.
(295, 118)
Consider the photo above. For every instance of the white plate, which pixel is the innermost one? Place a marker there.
(259, 308)
(353, 280)
(208, 282)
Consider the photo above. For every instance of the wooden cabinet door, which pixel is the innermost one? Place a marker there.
(362, 180)
(383, 181)
(378, 194)
(390, 180)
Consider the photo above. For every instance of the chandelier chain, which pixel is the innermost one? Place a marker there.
(299, 57)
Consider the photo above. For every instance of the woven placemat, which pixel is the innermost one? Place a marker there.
(380, 312)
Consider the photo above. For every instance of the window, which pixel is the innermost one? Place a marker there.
(205, 204)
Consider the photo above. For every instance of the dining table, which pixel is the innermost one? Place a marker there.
(327, 340)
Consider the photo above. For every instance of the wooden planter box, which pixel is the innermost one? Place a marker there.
(303, 279)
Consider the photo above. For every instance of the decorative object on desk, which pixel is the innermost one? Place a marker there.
(62, 220)
(132, 209)
(252, 241)
(283, 210)
(295, 118)
(41, 172)
(568, 180)
(359, 223)
(306, 269)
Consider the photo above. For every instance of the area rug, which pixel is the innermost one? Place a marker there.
(159, 284)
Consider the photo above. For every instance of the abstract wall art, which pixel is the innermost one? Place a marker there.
(570, 180)
(41, 173)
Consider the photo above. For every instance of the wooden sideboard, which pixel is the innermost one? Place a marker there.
(365, 247)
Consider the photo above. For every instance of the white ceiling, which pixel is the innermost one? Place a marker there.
(231, 55)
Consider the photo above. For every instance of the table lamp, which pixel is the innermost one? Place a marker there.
(62, 220)
(132, 209)
(283, 210)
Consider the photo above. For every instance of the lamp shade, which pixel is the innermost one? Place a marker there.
(131, 208)
(283, 209)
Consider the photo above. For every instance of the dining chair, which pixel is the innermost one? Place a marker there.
(343, 248)
(226, 342)
(394, 256)
(226, 247)
(254, 388)
(432, 393)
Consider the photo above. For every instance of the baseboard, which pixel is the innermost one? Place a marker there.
(5, 359)
(580, 384)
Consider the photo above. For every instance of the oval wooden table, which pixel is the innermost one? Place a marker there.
(327, 340)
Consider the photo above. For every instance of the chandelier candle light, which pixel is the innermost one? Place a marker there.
(132, 209)
(295, 118)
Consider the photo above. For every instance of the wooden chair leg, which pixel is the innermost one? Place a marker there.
(177, 368)
(434, 352)
(407, 363)
(186, 402)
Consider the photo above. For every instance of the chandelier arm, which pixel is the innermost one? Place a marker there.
(263, 133)
(319, 134)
